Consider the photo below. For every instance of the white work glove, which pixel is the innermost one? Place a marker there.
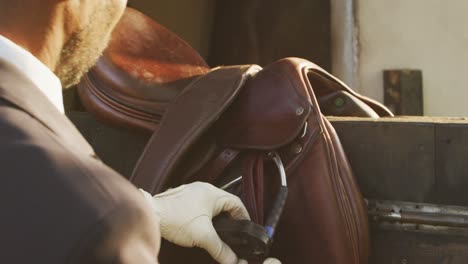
(185, 215)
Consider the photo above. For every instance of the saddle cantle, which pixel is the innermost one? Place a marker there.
(143, 69)
(214, 125)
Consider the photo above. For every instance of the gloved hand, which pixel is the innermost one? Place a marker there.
(186, 212)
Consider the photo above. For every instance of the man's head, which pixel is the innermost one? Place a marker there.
(66, 35)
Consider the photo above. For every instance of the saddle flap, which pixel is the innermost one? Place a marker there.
(270, 111)
(188, 118)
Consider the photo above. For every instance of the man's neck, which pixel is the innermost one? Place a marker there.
(41, 35)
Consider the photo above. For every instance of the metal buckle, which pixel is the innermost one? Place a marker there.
(304, 130)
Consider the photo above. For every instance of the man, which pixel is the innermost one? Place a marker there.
(59, 203)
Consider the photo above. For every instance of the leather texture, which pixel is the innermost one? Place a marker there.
(325, 219)
(188, 117)
(143, 69)
(60, 203)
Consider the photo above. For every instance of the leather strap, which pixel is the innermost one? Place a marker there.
(252, 186)
(213, 169)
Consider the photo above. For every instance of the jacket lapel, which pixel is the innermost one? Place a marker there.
(20, 91)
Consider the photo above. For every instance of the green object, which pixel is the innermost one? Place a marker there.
(339, 102)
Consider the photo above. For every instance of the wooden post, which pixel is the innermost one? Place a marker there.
(263, 31)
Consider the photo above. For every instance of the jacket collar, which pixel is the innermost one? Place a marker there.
(17, 89)
(34, 69)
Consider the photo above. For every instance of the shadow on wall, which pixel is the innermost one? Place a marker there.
(191, 20)
(248, 31)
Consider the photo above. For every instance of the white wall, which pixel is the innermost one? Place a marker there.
(431, 35)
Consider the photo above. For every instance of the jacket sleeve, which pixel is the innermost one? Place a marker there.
(61, 205)
(128, 234)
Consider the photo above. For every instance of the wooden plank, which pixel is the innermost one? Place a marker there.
(403, 92)
(391, 247)
(263, 31)
(392, 160)
(451, 165)
(416, 159)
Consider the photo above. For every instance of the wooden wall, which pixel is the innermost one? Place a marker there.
(248, 31)
(262, 31)
(190, 19)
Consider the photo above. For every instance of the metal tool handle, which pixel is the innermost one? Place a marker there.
(276, 211)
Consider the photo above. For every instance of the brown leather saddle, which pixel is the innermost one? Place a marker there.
(218, 124)
(143, 69)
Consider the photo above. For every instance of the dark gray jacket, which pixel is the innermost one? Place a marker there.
(58, 202)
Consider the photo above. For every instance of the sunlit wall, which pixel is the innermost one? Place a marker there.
(431, 35)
